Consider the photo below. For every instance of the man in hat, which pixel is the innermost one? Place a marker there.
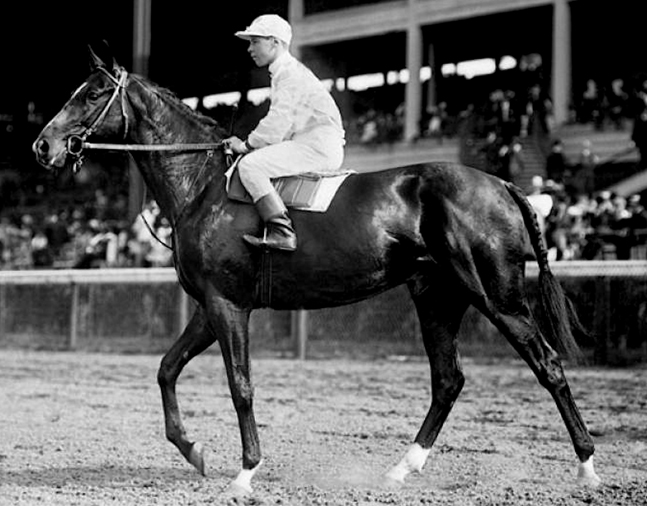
(302, 131)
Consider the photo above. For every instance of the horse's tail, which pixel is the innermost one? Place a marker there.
(559, 319)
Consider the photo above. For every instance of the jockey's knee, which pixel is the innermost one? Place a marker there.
(248, 168)
(248, 163)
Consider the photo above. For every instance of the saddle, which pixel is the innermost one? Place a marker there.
(305, 192)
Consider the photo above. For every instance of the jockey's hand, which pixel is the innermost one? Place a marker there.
(236, 145)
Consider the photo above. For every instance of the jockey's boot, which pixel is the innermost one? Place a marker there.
(279, 232)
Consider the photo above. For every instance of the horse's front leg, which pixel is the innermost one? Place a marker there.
(230, 325)
(196, 338)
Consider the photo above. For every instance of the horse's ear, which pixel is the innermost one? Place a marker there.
(101, 56)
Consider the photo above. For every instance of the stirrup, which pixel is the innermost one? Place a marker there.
(273, 240)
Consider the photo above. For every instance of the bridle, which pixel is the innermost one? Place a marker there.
(76, 144)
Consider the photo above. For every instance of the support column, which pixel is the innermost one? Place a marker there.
(295, 10)
(561, 72)
(413, 91)
(141, 56)
(431, 86)
(295, 16)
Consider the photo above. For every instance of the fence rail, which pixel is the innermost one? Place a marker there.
(149, 302)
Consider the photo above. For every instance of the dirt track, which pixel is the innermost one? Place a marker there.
(87, 429)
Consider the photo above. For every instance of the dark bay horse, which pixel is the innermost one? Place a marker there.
(456, 236)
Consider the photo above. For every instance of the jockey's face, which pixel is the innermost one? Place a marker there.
(263, 50)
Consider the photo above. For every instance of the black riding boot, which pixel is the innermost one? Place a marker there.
(279, 233)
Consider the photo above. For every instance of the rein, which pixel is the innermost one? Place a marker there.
(204, 146)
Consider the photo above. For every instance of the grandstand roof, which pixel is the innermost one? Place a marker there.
(194, 52)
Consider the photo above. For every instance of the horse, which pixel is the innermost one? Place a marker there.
(456, 236)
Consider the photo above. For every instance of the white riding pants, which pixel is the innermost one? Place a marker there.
(319, 151)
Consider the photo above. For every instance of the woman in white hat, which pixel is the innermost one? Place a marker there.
(302, 131)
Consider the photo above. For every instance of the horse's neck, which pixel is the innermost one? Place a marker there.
(173, 177)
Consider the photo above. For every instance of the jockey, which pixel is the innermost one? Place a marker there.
(302, 131)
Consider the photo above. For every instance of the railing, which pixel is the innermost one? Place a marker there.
(73, 307)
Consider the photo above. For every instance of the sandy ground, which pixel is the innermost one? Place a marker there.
(87, 429)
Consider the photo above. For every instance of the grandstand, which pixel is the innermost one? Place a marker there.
(397, 59)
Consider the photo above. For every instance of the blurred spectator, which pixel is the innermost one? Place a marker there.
(369, 128)
(639, 132)
(584, 178)
(541, 202)
(558, 227)
(495, 152)
(617, 104)
(435, 122)
(556, 165)
(142, 239)
(538, 111)
(56, 232)
(514, 160)
(159, 254)
(41, 253)
(509, 121)
(491, 115)
(590, 109)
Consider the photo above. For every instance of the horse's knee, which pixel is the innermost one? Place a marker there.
(446, 390)
(551, 374)
(242, 392)
(166, 373)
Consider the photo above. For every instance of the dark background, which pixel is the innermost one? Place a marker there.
(43, 45)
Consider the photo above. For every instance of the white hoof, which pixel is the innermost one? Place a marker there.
(396, 475)
(242, 485)
(197, 458)
(413, 461)
(586, 475)
(237, 490)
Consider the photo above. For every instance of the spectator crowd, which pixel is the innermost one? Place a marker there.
(580, 226)
(78, 239)
(577, 222)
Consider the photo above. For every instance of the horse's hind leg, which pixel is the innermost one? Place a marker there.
(194, 340)
(440, 316)
(519, 327)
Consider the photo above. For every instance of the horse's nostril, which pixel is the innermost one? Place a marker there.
(42, 147)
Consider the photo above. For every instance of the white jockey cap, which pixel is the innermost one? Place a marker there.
(268, 25)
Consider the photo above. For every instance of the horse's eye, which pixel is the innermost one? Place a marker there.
(93, 95)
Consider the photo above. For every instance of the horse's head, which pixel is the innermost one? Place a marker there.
(96, 108)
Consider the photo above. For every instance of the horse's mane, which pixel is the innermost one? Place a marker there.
(170, 98)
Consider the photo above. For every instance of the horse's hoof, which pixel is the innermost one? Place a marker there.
(391, 483)
(394, 478)
(238, 490)
(197, 458)
(586, 475)
(396, 474)
(589, 481)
